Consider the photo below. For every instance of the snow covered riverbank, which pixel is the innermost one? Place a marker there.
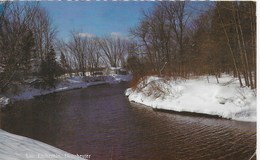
(21, 148)
(29, 92)
(226, 99)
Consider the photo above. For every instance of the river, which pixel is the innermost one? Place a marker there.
(101, 122)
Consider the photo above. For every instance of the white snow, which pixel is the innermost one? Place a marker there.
(75, 82)
(4, 101)
(226, 99)
(118, 78)
(14, 147)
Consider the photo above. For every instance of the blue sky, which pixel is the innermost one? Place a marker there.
(97, 18)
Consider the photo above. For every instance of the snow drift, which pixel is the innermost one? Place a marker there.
(21, 148)
(199, 95)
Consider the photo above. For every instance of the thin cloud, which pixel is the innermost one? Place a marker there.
(116, 34)
(119, 35)
(88, 35)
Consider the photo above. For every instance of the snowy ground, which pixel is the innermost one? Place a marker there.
(225, 99)
(14, 147)
(28, 92)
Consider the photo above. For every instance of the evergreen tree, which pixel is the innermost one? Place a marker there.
(26, 53)
(64, 64)
(48, 68)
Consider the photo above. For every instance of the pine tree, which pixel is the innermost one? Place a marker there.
(26, 53)
(48, 68)
(63, 62)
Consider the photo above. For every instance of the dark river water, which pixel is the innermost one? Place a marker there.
(101, 122)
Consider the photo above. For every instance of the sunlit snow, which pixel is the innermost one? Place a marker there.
(226, 99)
(14, 147)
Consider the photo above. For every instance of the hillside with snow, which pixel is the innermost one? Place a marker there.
(199, 95)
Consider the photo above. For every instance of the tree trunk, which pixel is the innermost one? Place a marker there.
(248, 71)
(239, 38)
(231, 51)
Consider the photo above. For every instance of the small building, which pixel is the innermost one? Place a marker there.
(117, 70)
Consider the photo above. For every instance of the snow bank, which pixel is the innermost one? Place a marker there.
(117, 78)
(29, 92)
(4, 101)
(21, 148)
(76, 82)
(226, 99)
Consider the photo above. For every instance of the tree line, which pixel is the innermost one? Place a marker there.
(29, 48)
(92, 53)
(26, 43)
(173, 40)
(170, 39)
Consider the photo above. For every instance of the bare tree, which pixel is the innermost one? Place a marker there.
(66, 58)
(78, 48)
(154, 37)
(162, 32)
(235, 31)
(252, 16)
(44, 32)
(93, 55)
(177, 17)
(114, 49)
(142, 33)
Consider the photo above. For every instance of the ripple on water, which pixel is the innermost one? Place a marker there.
(101, 122)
